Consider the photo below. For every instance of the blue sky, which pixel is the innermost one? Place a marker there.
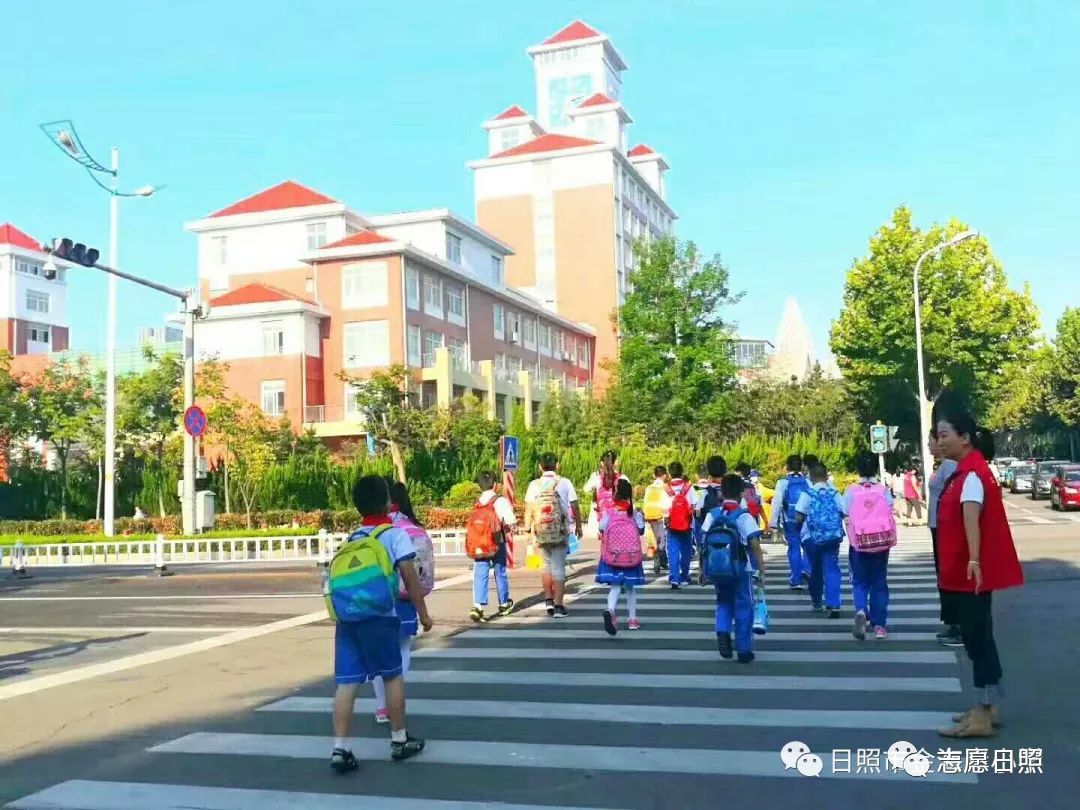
(793, 127)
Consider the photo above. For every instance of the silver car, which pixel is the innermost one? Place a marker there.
(1021, 478)
(1040, 482)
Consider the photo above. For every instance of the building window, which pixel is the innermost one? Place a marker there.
(432, 341)
(352, 407)
(496, 269)
(560, 345)
(412, 345)
(455, 304)
(273, 397)
(27, 268)
(514, 364)
(316, 235)
(273, 333)
(528, 333)
(412, 288)
(38, 334)
(37, 301)
(433, 296)
(219, 249)
(545, 339)
(459, 353)
(510, 137)
(367, 344)
(594, 127)
(500, 322)
(453, 248)
(364, 285)
(583, 354)
(515, 326)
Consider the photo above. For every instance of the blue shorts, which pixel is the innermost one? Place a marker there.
(367, 649)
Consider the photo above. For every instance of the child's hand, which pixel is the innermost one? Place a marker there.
(426, 621)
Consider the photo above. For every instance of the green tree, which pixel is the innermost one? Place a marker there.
(675, 368)
(973, 323)
(1065, 369)
(390, 413)
(15, 418)
(251, 454)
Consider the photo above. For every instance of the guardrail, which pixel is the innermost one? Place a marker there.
(163, 552)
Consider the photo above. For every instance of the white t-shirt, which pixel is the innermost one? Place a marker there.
(745, 523)
(849, 495)
(565, 490)
(397, 544)
(503, 508)
(593, 483)
(692, 495)
(973, 491)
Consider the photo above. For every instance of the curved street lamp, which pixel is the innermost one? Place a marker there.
(63, 134)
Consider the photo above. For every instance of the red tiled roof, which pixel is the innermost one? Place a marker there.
(255, 294)
(596, 100)
(546, 143)
(511, 112)
(575, 30)
(359, 238)
(641, 149)
(284, 195)
(10, 235)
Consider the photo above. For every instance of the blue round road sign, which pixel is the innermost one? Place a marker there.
(195, 421)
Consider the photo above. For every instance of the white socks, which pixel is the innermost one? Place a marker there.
(342, 743)
(631, 599)
(613, 598)
(631, 602)
(399, 736)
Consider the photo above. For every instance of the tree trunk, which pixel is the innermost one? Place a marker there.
(225, 467)
(161, 482)
(398, 459)
(63, 484)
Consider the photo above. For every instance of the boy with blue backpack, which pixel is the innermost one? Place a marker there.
(820, 517)
(731, 537)
(784, 517)
(361, 589)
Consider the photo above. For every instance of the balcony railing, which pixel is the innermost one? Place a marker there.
(314, 413)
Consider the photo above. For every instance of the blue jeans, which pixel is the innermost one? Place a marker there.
(796, 557)
(679, 548)
(480, 582)
(735, 604)
(870, 585)
(825, 575)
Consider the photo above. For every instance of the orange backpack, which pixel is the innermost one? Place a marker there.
(484, 532)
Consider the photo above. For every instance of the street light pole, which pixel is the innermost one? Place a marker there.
(110, 353)
(188, 501)
(924, 404)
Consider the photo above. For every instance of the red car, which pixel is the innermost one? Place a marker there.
(1065, 487)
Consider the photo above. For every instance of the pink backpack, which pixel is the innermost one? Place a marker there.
(621, 547)
(871, 525)
(425, 555)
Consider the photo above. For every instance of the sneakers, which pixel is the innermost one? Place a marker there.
(880, 632)
(805, 579)
(860, 626)
(817, 608)
(403, 750)
(343, 761)
(610, 623)
(723, 644)
(746, 657)
(560, 612)
(950, 637)
(477, 615)
(382, 716)
(834, 613)
(634, 624)
(550, 604)
(674, 586)
(506, 607)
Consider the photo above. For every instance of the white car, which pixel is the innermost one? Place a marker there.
(1001, 464)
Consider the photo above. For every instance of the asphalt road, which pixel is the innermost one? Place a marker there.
(526, 711)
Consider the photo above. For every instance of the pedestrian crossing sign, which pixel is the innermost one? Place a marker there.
(508, 452)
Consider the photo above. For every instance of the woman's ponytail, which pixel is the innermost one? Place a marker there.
(983, 441)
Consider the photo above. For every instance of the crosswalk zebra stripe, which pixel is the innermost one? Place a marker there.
(570, 634)
(629, 680)
(659, 585)
(656, 617)
(80, 794)
(657, 715)
(706, 609)
(707, 762)
(696, 593)
(609, 653)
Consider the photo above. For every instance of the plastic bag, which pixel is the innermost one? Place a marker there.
(761, 611)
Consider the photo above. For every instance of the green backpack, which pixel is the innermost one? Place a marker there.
(361, 582)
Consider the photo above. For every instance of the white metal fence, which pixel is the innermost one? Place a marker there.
(163, 552)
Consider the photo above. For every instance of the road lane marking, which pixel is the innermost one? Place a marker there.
(655, 617)
(702, 761)
(622, 713)
(161, 598)
(652, 609)
(695, 593)
(606, 652)
(82, 631)
(77, 674)
(571, 634)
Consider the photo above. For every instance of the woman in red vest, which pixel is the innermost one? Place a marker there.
(976, 557)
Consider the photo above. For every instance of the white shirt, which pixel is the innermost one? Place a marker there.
(779, 491)
(503, 509)
(973, 491)
(593, 483)
(849, 495)
(745, 523)
(564, 489)
(691, 496)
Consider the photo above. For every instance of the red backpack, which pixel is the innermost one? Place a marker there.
(483, 533)
(681, 517)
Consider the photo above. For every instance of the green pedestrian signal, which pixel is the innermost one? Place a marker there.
(879, 438)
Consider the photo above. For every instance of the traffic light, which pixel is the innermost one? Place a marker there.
(879, 438)
(76, 252)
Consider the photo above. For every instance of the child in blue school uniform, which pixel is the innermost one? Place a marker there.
(785, 519)
(820, 518)
(732, 537)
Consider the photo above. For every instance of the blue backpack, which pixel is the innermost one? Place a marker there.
(824, 522)
(724, 559)
(796, 486)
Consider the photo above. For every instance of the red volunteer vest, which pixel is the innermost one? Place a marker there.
(997, 553)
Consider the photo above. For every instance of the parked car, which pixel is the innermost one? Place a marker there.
(1040, 482)
(1020, 478)
(1001, 465)
(1065, 488)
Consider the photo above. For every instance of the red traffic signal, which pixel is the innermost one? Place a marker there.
(76, 252)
